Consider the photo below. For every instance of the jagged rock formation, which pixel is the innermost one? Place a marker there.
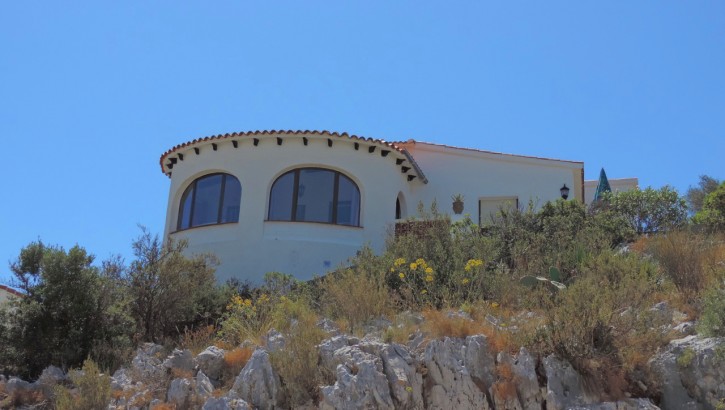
(447, 373)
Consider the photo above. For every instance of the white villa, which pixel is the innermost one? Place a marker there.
(302, 202)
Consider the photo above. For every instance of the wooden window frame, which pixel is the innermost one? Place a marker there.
(295, 194)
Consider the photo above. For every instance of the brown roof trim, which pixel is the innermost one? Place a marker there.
(404, 144)
(12, 291)
(217, 137)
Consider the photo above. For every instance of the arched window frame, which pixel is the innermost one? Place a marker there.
(295, 195)
(191, 189)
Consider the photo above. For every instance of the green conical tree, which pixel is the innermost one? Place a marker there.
(603, 185)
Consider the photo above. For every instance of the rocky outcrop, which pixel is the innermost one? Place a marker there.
(445, 373)
(211, 362)
(449, 383)
(258, 383)
(692, 370)
(180, 359)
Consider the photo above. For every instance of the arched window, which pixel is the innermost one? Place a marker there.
(315, 195)
(211, 199)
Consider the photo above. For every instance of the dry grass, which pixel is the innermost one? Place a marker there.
(505, 386)
(164, 406)
(690, 260)
(234, 362)
(438, 324)
(177, 373)
(356, 297)
(197, 340)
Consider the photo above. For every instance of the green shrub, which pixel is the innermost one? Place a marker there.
(712, 320)
(93, 390)
(357, 294)
(686, 357)
(72, 309)
(297, 363)
(649, 210)
(605, 314)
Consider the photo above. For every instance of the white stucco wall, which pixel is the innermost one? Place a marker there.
(617, 185)
(254, 246)
(482, 175)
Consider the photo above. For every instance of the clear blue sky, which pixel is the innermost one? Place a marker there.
(91, 94)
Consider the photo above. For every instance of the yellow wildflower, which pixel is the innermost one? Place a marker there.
(420, 261)
(423, 292)
(402, 275)
(399, 262)
(465, 281)
(413, 266)
(494, 304)
(392, 269)
(429, 278)
(429, 271)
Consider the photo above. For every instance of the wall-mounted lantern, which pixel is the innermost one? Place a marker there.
(564, 191)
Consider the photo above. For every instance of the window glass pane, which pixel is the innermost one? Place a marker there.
(314, 195)
(206, 202)
(232, 195)
(185, 208)
(280, 199)
(348, 202)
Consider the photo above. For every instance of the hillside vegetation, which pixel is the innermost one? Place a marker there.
(589, 285)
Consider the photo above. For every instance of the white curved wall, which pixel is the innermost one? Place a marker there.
(254, 246)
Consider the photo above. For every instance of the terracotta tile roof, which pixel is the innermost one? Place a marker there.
(11, 291)
(405, 144)
(262, 133)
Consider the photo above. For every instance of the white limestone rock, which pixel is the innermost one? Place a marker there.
(697, 380)
(211, 362)
(449, 383)
(147, 363)
(225, 403)
(564, 388)
(180, 359)
(203, 387)
(274, 340)
(258, 384)
(179, 392)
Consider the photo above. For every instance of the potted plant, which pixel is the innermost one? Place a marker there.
(457, 203)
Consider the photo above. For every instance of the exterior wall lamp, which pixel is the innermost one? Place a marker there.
(564, 191)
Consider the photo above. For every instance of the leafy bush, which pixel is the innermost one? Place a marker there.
(93, 390)
(712, 215)
(650, 210)
(71, 309)
(169, 290)
(599, 315)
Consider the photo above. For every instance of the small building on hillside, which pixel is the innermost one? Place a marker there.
(302, 202)
(6, 293)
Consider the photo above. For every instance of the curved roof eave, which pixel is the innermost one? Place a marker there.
(166, 168)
